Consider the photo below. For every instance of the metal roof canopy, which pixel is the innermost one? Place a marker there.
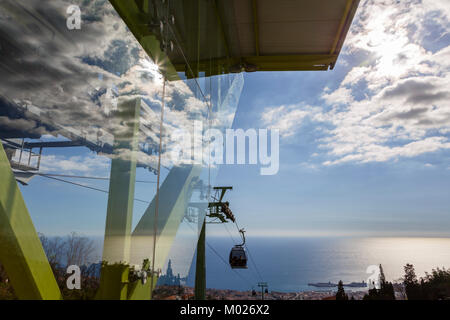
(222, 36)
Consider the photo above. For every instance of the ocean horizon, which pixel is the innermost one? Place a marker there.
(290, 264)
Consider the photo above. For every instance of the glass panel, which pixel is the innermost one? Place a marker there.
(90, 124)
(196, 104)
(79, 121)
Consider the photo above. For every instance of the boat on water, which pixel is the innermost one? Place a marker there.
(323, 285)
(356, 284)
(329, 284)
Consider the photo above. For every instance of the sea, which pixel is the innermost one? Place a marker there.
(290, 264)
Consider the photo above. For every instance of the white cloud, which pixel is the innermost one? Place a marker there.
(83, 165)
(74, 80)
(308, 165)
(395, 104)
(380, 153)
(288, 119)
(342, 95)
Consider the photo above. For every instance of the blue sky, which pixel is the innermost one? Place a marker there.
(364, 149)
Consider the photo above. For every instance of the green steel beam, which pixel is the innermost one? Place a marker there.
(344, 25)
(21, 251)
(347, 9)
(200, 267)
(174, 196)
(113, 282)
(122, 183)
(141, 291)
(272, 63)
(116, 247)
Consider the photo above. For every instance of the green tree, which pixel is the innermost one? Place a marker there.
(381, 276)
(340, 294)
(412, 286)
(386, 288)
(6, 290)
(436, 286)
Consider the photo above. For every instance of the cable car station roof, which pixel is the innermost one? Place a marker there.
(243, 35)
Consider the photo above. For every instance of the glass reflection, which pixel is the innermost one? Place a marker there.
(80, 125)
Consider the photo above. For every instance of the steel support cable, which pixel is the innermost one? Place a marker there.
(253, 262)
(227, 264)
(84, 186)
(161, 124)
(84, 177)
(209, 144)
(221, 258)
(155, 220)
(226, 228)
(250, 256)
(189, 66)
(231, 236)
(234, 242)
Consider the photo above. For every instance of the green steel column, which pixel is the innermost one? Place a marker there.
(174, 196)
(21, 251)
(116, 248)
(139, 290)
(200, 267)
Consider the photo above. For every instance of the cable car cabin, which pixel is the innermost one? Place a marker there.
(238, 258)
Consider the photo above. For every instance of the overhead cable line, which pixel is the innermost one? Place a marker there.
(234, 242)
(208, 103)
(250, 255)
(85, 177)
(84, 186)
(221, 258)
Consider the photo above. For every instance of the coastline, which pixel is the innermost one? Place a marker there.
(187, 293)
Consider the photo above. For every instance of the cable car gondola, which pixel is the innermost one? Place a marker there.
(238, 257)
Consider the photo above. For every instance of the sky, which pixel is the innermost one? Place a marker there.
(364, 148)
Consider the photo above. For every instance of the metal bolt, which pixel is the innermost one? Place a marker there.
(143, 277)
